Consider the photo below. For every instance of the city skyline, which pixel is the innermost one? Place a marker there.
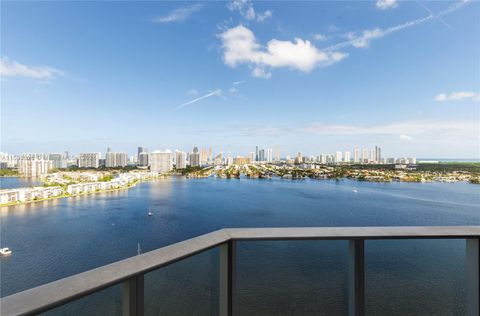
(234, 74)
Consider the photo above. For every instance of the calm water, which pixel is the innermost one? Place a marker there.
(57, 238)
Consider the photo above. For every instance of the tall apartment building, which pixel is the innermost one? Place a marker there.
(276, 153)
(88, 160)
(59, 160)
(372, 156)
(180, 160)
(194, 158)
(114, 159)
(34, 167)
(142, 154)
(8, 160)
(364, 155)
(338, 156)
(161, 161)
(378, 154)
(261, 155)
(356, 155)
(269, 156)
(346, 156)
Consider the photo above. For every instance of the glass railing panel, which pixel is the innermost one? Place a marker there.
(292, 278)
(186, 287)
(415, 277)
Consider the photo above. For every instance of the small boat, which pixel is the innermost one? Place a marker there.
(5, 251)
(354, 190)
(150, 213)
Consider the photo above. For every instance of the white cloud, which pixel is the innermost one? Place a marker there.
(320, 37)
(247, 11)
(406, 137)
(12, 68)
(457, 96)
(233, 90)
(179, 14)
(235, 83)
(241, 47)
(362, 38)
(386, 4)
(418, 129)
(217, 92)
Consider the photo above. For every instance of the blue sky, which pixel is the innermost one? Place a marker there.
(314, 77)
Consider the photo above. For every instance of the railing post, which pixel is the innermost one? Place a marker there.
(473, 276)
(227, 277)
(356, 278)
(133, 296)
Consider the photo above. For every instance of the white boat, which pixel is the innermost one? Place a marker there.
(5, 251)
(354, 190)
(150, 213)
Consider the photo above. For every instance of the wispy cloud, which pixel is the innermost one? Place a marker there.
(12, 68)
(457, 96)
(405, 137)
(217, 92)
(241, 47)
(247, 11)
(320, 37)
(386, 4)
(363, 38)
(431, 129)
(235, 83)
(179, 14)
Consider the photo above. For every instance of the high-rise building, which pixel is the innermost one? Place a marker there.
(219, 159)
(338, 156)
(378, 154)
(34, 167)
(59, 160)
(364, 155)
(356, 155)
(256, 153)
(180, 160)
(114, 159)
(229, 161)
(299, 158)
(346, 157)
(276, 154)
(372, 156)
(194, 158)
(261, 155)
(88, 160)
(161, 161)
(142, 159)
(269, 155)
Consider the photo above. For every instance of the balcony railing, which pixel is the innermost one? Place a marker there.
(131, 271)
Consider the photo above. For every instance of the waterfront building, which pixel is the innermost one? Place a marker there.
(34, 167)
(364, 155)
(115, 159)
(256, 153)
(88, 160)
(372, 156)
(205, 156)
(356, 155)
(229, 161)
(261, 155)
(180, 160)
(161, 161)
(346, 157)
(269, 155)
(142, 156)
(242, 160)
(252, 156)
(338, 156)
(299, 158)
(59, 160)
(194, 158)
(276, 154)
(378, 154)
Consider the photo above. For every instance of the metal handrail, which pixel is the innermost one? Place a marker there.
(130, 271)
